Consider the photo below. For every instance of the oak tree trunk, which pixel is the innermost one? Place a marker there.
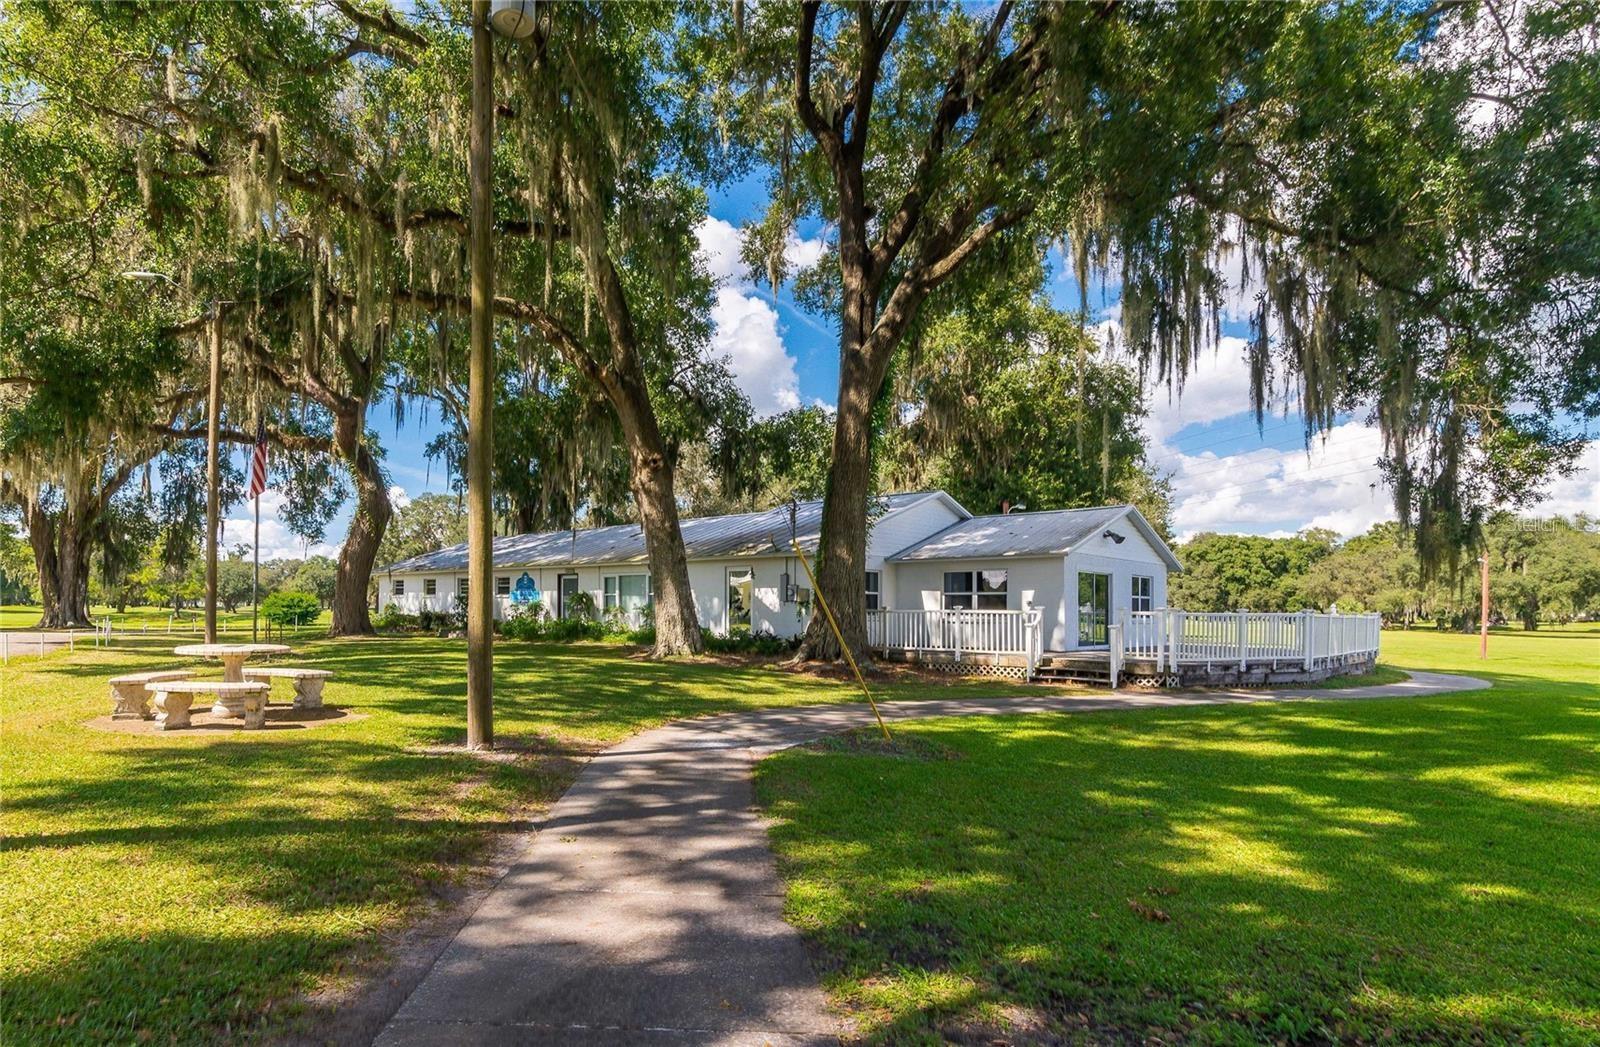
(841, 571)
(351, 614)
(677, 624)
(61, 548)
(863, 362)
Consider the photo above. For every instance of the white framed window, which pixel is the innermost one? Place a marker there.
(461, 588)
(626, 592)
(397, 587)
(975, 590)
(502, 585)
(1143, 589)
(874, 591)
(430, 587)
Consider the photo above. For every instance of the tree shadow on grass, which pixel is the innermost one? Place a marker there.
(166, 987)
(1323, 871)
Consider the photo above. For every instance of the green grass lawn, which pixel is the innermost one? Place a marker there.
(1403, 870)
(183, 890)
(154, 619)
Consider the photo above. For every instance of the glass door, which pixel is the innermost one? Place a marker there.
(741, 582)
(566, 589)
(1094, 609)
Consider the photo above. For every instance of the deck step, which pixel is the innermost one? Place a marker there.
(1100, 676)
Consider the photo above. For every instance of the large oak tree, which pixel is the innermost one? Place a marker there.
(1409, 257)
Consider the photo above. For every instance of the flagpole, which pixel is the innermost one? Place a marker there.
(255, 576)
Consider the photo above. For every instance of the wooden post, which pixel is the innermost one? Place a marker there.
(1244, 633)
(480, 396)
(1306, 621)
(213, 496)
(1483, 606)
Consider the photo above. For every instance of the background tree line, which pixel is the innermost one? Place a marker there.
(1541, 569)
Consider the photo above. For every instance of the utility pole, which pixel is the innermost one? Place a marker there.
(480, 396)
(1483, 607)
(213, 496)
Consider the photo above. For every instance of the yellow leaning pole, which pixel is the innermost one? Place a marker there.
(837, 635)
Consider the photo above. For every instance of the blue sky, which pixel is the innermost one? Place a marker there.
(1227, 475)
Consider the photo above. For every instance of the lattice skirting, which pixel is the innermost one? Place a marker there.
(1005, 666)
(1013, 672)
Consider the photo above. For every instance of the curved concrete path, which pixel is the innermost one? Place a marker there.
(647, 908)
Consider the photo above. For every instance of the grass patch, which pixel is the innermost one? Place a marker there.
(868, 741)
(1380, 674)
(182, 890)
(235, 625)
(1411, 870)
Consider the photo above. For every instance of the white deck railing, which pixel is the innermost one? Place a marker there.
(958, 633)
(1171, 638)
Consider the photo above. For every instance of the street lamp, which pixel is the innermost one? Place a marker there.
(213, 423)
(513, 19)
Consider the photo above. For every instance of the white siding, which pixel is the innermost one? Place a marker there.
(1030, 582)
(905, 528)
(708, 578)
(1100, 555)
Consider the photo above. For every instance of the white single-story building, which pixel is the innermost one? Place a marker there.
(1080, 569)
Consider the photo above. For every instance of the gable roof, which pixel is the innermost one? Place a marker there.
(704, 537)
(1049, 533)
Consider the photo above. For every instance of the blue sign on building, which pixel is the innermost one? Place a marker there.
(525, 591)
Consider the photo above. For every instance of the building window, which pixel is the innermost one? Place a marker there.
(430, 586)
(741, 585)
(1142, 590)
(874, 600)
(397, 587)
(975, 590)
(461, 588)
(502, 585)
(627, 592)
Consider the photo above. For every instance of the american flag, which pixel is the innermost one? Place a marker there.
(258, 462)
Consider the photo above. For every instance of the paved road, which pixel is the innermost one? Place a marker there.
(647, 909)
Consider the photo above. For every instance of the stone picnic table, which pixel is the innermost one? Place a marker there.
(233, 656)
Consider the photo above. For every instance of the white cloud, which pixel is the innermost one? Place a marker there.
(1217, 387)
(398, 497)
(745, 331)
(277, 541)
(746, 336)
(1578, 493)
(1334, 484)
(719, 251)
(801, 253)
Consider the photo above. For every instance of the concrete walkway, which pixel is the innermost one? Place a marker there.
(647, 908)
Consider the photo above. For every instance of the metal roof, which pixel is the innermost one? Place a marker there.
(704, 537)
(1052, 533)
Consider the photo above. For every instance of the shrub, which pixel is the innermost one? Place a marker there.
(581, 605)
(763, 642)
(393, 620)
(531, 623)
(290, 608)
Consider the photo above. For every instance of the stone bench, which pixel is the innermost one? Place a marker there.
(130, 694)
(173, 698)
(308, 683)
